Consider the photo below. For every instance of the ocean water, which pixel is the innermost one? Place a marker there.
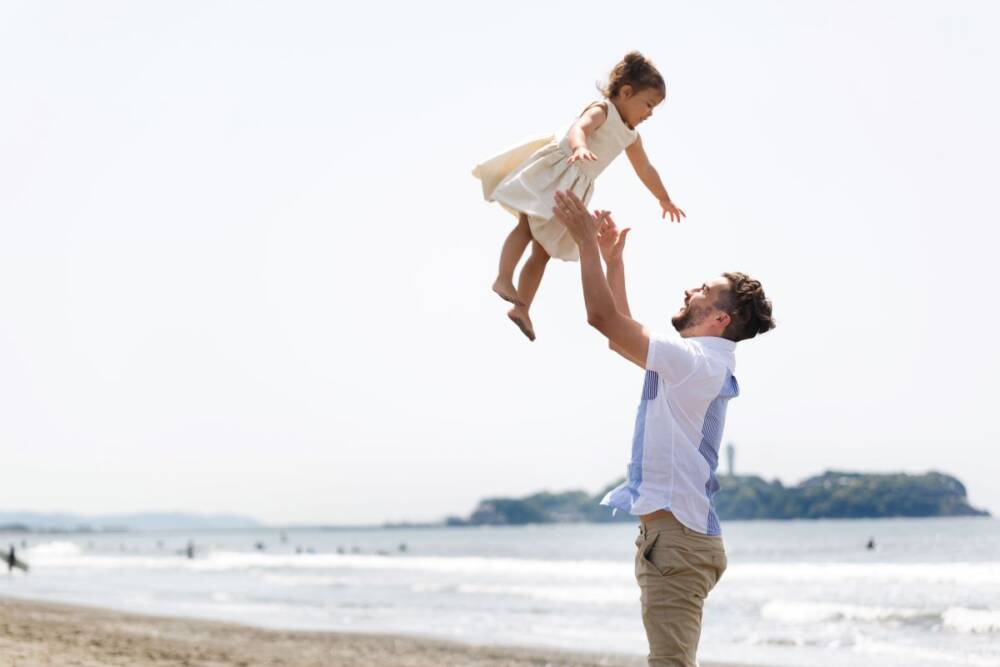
(802, 593)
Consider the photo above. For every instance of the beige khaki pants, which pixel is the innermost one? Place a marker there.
(676, 567)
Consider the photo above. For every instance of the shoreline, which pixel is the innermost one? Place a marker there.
(49, 634)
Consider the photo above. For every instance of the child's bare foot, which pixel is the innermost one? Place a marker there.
(505, 290)
(519, 316)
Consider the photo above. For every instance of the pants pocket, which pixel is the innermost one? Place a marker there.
(659, 556)
(643, 554)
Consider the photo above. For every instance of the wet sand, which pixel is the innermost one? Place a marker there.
(35, 634)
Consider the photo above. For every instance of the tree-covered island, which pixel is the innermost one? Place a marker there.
(832, 495)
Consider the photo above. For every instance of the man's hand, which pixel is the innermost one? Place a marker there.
(570, 211)
(610, 238)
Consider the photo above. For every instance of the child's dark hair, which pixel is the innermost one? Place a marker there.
(634, 70)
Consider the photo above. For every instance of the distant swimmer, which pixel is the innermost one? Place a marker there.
(189, 550)
(871, 544)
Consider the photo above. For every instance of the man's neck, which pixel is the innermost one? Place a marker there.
(700, 332)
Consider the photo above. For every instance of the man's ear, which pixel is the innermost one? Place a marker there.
(724, 320)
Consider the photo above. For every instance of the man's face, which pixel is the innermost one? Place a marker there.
(699, 304)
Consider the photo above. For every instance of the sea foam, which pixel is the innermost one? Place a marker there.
(972, 621)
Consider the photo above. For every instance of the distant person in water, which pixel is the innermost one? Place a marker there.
(11, 558)
(671, 476)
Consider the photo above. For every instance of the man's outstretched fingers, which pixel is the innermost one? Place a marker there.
(566, 203)
(561, 206)
(575, 204)
(562, 200)
(570, 205)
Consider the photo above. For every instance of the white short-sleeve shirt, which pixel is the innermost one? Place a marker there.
(678, 430)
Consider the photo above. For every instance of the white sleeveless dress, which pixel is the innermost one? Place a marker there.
(525, 179)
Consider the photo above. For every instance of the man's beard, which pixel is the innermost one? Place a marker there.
(690, 316)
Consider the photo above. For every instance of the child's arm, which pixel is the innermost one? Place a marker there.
(651, 179)
(589, 120)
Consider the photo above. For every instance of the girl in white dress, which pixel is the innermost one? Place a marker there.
(524, 180)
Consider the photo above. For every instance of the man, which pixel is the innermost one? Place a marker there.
(675, 450)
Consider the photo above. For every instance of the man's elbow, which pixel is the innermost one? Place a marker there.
(599, 321)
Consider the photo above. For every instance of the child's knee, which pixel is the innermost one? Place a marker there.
(538, 252)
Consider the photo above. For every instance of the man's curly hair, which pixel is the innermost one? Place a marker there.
(747, 305)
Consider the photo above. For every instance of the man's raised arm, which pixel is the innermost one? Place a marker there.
(612, 242)
(625, 335)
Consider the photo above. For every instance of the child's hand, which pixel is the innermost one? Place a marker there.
(582, 153)
(610, 239)
(675, 213)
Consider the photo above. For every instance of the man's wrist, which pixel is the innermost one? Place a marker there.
(589, 243)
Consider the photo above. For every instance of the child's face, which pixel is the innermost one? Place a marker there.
(635, 107)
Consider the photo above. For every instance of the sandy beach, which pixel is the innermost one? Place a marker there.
(44, 634)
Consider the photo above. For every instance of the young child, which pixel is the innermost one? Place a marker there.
(524, 180)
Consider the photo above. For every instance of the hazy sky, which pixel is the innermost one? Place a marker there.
(244, 266)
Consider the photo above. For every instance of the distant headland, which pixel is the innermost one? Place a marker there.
(831, 495)
(61, 522)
